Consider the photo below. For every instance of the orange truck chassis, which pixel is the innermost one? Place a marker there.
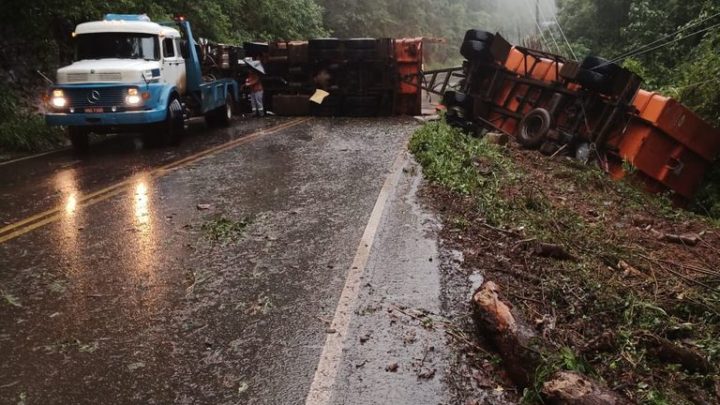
(593, 109)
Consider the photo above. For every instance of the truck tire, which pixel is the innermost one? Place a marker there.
(225, 113)
(361, 43)
(79, 138)
(326, 55)
(361, 55)
(173, 129)
(479, 35)
(474, 50)
(324, 43)
(454, 98)
(533, 128)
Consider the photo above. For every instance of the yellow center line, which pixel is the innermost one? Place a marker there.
(39, 220)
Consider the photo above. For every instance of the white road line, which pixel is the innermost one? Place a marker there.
(327, 369)
(9, 162)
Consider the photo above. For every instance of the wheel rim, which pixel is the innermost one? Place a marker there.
(534, 126)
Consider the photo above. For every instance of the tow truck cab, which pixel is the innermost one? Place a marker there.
(133, 75)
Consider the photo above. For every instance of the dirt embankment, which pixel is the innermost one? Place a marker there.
(613, 283)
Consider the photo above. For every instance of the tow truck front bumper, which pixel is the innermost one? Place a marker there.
(106, 118)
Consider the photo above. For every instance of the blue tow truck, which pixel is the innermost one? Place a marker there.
(134, 75)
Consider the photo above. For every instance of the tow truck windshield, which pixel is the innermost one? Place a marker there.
(120, 45)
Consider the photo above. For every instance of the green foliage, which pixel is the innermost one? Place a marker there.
(21, 130)
(28, 133)
(454, 159)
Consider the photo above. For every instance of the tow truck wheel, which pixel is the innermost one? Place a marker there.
(225, 113)
(79, 138)
(174, 125)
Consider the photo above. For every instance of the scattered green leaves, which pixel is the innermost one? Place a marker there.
(224, 230)
(10, 299)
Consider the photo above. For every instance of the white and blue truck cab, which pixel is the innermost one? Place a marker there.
(134, 75)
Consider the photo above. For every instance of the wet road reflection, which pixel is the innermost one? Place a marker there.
(143, 240)
(142, 205)
(122, 296)
(66, 184)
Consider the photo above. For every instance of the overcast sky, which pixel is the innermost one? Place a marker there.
(517, 17)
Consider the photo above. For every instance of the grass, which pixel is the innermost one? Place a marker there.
(28, 133)
(23, 130)
(548, 203)
(223, 230)
(9, 299)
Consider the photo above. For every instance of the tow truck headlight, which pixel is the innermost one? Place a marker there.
(58, 99)
(133, 97)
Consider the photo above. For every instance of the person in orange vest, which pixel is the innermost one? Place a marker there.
(254, 84)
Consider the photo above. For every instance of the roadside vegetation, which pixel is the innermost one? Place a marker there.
(21, 129)
(624, 293)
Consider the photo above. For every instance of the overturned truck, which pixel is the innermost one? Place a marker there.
(592, 109)
(360, 75)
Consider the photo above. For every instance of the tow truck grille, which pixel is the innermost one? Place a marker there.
(98, 97)
(94, 77)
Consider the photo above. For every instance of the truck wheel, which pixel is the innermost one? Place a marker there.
(474, 50)
(79, 138)
(534, 127)
(479, 35)
(225, 113)
(174, 126)
(361, 43)
(324, 43)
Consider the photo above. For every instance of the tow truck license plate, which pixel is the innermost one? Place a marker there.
(94, 110)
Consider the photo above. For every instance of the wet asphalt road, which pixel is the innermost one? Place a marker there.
(114, 291)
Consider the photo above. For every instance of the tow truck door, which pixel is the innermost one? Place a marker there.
(173, 64)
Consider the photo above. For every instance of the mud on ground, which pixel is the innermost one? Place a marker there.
(641, 277)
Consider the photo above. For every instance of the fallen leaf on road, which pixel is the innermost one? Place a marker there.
(410, 337)
(243, 387)
(427, 374)
(135, 366)
(392, 367)
(203, 207)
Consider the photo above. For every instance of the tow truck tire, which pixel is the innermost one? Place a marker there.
(174, 125)
(534, 127)
(79, 138)
(225, 113)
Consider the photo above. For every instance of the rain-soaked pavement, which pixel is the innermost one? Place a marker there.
(113, 290)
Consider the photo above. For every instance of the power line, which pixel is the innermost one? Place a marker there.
(687, 86)
(572, 52)
(643, 52)
(537, 24)
(626, 54)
